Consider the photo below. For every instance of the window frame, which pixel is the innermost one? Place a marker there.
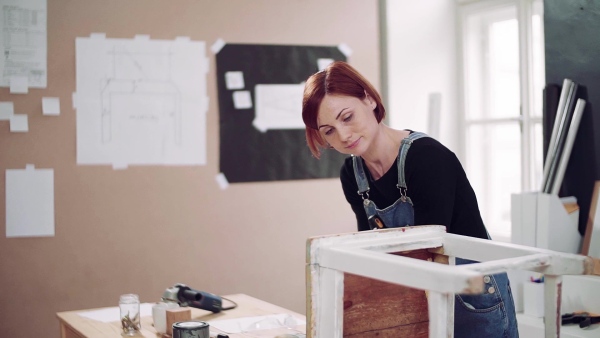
(527, 118)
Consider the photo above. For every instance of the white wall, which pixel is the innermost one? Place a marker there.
(423, 58)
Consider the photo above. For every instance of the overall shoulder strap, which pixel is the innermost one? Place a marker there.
(406, 143)
(359, 174)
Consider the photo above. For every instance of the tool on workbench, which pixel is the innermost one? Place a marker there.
(584, 319)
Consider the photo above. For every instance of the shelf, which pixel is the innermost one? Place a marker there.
(532, 327)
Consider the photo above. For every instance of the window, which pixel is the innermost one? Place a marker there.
(502, 84)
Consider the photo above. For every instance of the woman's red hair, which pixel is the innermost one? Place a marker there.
(339, 78)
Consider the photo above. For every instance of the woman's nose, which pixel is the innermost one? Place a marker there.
(345, 134)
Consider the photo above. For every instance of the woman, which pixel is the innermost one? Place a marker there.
(398, 178)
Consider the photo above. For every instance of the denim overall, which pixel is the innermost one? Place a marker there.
(491, 314)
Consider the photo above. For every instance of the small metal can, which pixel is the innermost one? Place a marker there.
(191, 329)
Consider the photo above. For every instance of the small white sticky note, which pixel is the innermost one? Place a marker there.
(344, 48)
(183, 38)
(143, 37)
(242, 99)
(222, 181)
(50, 106)
(29, 167)
(7, 109)
(234, 80)
(216, 47)
(323, 63)
(19, 84)
(18, 123)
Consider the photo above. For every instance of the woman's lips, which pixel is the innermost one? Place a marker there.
(353, 144)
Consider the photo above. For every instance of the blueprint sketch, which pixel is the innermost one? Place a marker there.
(141, 101)
(23, 40)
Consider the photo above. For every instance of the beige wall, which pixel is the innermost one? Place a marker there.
(145, 228)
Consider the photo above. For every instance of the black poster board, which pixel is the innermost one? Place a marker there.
(248, 154)
(572, 47)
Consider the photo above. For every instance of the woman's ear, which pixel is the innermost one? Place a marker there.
(370, 101)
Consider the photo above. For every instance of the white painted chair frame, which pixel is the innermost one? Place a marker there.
(367, 254)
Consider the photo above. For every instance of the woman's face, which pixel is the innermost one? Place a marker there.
(347, 123)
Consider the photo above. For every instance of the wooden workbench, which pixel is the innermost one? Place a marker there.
(72, 325)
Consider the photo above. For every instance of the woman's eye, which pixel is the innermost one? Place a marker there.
(348, 118)
(328, 131)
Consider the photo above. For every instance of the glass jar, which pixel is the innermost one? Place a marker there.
(129, 305)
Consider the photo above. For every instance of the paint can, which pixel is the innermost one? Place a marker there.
(191, 329)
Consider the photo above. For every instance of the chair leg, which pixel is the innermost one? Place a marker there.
(329, 306)
(552, 296)
(441, 314)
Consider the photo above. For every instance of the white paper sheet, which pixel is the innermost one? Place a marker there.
(150, 108)
(278, 106)
(23, 40)
(323, 63)
(29, 202)
(247, 324)
(112, 314)
(50, 106)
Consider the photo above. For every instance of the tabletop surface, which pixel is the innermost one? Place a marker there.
(252, 317)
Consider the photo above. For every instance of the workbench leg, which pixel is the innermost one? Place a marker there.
(552, 297)
(441, 314)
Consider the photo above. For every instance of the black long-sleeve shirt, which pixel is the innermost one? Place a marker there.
(437, 185)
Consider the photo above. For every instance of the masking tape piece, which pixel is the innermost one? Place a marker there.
(216, 47)
(222, 181)
(98, 36)
(206, 65)
(119, 166)
(206, 104)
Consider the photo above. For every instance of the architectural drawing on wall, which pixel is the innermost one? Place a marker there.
(131, 102)
(141, 101)
(134, 80)
(278, 106)
(23, 41)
